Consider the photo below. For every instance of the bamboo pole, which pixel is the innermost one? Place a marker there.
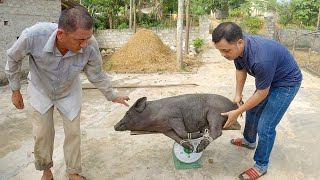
(130, 15)
(318, 27)
(134, 17)
(186, 44)
(179, 34)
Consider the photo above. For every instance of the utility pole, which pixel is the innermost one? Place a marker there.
(318, 24)
(134, 17)
(179, 34)
(186, 44)
(130, 15)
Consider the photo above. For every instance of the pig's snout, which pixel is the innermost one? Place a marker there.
(120, 126)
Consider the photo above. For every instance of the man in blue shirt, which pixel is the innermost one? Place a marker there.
(277, 79)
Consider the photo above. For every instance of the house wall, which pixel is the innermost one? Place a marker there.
(15, 16)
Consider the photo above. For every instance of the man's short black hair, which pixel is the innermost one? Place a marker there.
(76, 17)
(230, 31)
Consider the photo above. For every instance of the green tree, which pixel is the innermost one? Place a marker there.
(104, 11)
(201, 7)
(299, 12)
(305, 12)
(285, 11)
(227, 4)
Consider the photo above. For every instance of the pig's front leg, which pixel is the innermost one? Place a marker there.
(173, 135)
(214, 131)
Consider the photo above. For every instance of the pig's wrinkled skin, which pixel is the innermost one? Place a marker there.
(179, 115)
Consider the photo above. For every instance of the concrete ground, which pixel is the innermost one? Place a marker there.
(107, 154)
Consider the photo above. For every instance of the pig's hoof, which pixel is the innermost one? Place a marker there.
(187, 145)
(200, 149)
(203, 145)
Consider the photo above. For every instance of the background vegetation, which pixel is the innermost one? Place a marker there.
(114, 14)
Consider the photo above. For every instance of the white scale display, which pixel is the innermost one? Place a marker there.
(184, 155)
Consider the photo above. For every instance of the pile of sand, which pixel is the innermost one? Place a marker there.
(144, 52)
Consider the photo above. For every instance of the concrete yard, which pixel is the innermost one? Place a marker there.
(107, 154)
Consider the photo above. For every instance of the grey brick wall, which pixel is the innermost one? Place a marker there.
(16, 15)
(301, 38)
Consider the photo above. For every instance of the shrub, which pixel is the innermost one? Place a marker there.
(251, 24)
(236, 13)
(123, 25)
(198, 43)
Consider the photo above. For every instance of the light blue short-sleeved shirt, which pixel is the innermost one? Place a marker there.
(53, 78)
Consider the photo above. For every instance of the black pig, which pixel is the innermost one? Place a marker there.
(180, 117)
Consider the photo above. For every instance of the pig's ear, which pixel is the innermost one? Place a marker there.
(140, 104)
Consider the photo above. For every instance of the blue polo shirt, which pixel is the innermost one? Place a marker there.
(269, 62)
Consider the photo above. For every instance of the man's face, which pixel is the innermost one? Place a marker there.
(230, 50)
(74, 41)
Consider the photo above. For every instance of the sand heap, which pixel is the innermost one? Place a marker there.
(144, 52)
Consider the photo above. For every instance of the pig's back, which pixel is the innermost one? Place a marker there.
(198, 101)
(193, 108)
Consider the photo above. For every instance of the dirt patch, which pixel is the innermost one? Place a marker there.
(145, 52)
(309, 61)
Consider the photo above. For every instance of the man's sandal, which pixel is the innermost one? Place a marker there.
(252, 173)
(238, 142)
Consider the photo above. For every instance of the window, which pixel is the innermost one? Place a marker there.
(5, 22)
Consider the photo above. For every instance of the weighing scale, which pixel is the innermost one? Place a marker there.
(183, 159)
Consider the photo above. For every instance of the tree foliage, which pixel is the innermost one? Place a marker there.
(201, 7)
(104, 11)
(305, 11)
(300, 12)
(115, 13)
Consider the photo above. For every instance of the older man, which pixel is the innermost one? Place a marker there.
(57, 54)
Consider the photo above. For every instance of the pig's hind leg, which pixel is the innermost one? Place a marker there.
(215, 130)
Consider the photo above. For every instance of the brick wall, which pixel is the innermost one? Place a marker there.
(112, 38)
(15, 16)
(302, 38)
(289, 37)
